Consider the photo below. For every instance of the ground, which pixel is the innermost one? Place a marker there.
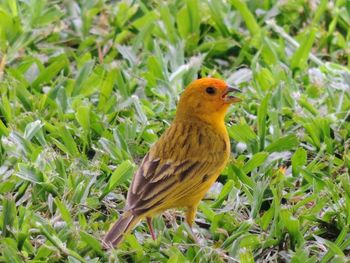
(86, 87)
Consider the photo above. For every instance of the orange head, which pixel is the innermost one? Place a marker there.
(207, 99)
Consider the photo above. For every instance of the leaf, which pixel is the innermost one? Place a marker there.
(68, 141)
(332, 246)
(298, 160)
(25, 98)
(49, 16)
(169, 22)
(218, 16)
(50, 72)
(314, 133)
(110, 149)
(107, 88)
(188, 23)
(301, 55)
(10, 254)
(311, 177)
(267, 217)
(303, 102)
(83, 117)
(269, 54)
(207, 211)
(255, 161)
(155, 68)
(140, 113)
(65, 213)
(135, 246)
(83, 75)
(224, 193)
(293, 227)
(258, 197)
(3, 129)
(29, 173)
(12, 5)
(8, 215)
(243, 177)
(91, 241)
(283, 144)
(5, 108)
(265, 79)
(128, 54)
(242, 133)
(248, 17)
(246, 255)
(32, 129)
(120, 175)
(123, 171)
(262, 113)
(44, 252)
(242, 229)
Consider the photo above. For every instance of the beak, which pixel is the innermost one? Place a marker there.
(229, 97)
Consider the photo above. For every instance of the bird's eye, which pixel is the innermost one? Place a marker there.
(210, 90)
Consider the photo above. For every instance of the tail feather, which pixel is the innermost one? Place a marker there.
(118, 231)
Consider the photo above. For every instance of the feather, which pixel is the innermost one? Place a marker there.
(117, 233)
(161, 172)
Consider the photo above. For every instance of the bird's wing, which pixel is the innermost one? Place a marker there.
(183, 158)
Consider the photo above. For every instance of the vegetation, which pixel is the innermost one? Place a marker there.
(87, 86)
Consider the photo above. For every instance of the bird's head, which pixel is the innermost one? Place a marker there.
(207, 98)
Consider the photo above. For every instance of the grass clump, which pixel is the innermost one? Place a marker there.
(87, 86)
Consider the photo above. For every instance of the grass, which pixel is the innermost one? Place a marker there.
(87, 87)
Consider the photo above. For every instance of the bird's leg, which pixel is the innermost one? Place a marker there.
(149, 223)
(190, 215)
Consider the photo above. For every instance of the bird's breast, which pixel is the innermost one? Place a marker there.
(193, 140)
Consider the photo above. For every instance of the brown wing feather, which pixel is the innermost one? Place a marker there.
(173, 159)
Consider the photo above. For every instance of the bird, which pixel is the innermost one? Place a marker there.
(182, 165)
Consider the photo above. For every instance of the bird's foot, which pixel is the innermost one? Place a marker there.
(191, 234)
(149, 223)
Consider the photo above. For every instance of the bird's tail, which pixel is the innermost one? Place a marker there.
(118, 231)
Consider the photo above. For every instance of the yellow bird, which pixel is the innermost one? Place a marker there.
(182, 165)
